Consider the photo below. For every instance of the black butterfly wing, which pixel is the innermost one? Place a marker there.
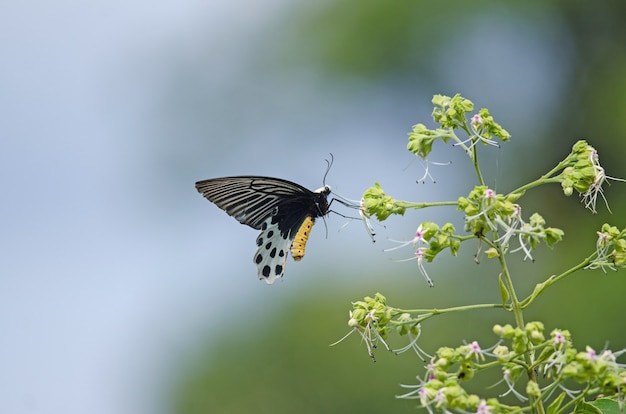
(251, 199)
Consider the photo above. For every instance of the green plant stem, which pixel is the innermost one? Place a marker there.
(516, 308)
(515, 303)
(452, 309)
(476, 166)
(541, 287)
(417, 206)
(535, 183)
(544, 179)
(428, 313)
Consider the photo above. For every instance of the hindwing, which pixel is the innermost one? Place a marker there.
(271, 254)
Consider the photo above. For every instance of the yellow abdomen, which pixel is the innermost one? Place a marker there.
(299, 242)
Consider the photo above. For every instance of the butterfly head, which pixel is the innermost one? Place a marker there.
(323, 190)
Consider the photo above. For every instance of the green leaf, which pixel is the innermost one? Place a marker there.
(554, 407)
(583, 407)
(607, 406)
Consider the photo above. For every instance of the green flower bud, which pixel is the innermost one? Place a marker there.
(532, 389)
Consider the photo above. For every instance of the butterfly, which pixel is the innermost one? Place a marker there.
(284, 212)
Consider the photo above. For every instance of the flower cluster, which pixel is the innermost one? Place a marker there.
(483, 205)
(421, 139)
(451, 114)
(370, 318)
(581, 169)
(584, 173)
(441, 387)
(486, 211)
(377, 203)
(373, 320)
(484, 129)
(432, 241)
(559, 362)
(610, 249)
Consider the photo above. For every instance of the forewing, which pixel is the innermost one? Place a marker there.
(250, 200)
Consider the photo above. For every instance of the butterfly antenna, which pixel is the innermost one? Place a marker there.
(329, 164)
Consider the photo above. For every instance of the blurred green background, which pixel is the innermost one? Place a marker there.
(123, 291)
